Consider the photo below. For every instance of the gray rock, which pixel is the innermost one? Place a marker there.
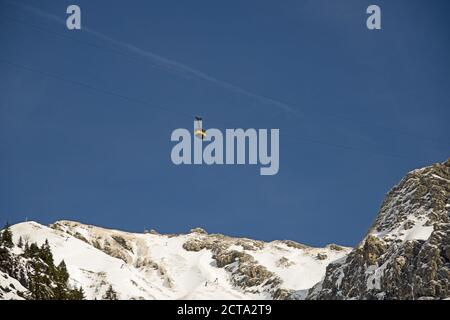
(199, 230)
(321, 256)
(385, 265)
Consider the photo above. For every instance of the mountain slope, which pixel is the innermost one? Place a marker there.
(10, 288)
(406, 253)
(184, 266)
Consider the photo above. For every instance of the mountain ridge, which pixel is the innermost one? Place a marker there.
(196, 265)
(404, 255)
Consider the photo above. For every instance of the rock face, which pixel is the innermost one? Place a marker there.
(238, 256)
(244, 269)
(405, 254)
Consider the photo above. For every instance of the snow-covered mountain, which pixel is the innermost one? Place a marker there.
(196, 265)
(405, 255)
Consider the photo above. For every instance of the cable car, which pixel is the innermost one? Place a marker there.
(199, 132)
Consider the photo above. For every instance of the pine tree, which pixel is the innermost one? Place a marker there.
(6, 243)
(32, 250)
(81, 295)
(41, 284)
(22, 278)
(61, 278)
(20, 244)
(110, 294)
(5, 260)
(41, 277)
(62, 275)
(26, 248)
(77, 294)
(45, 253)
(6, 237)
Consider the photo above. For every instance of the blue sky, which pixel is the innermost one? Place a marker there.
(86, 116)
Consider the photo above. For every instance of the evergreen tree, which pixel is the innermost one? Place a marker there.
(32, 250)
(40, 276)
(110, 294)
(45, 253)
(5, 260)
(22, 278)
(41, 284)
(61, 278)
(26, 248)
(6, 237)
(20, 244)
(77, 294)
(62, 275)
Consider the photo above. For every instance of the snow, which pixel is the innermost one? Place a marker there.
(440, 178)
(302, 262)
(10, 287)
(87, 264)
(419, 231)
(157, 267)
(374, 278)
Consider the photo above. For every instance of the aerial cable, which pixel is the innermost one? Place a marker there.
(171, 70)
(201, 135)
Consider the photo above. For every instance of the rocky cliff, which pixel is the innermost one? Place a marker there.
(406, 253)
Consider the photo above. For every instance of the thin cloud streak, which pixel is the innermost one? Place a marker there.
(168, 65)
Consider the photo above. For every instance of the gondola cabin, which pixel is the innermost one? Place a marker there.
(199, 132)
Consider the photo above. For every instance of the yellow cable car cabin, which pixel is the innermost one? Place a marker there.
(199, 132)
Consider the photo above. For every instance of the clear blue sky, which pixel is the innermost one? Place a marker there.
(85, 119)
